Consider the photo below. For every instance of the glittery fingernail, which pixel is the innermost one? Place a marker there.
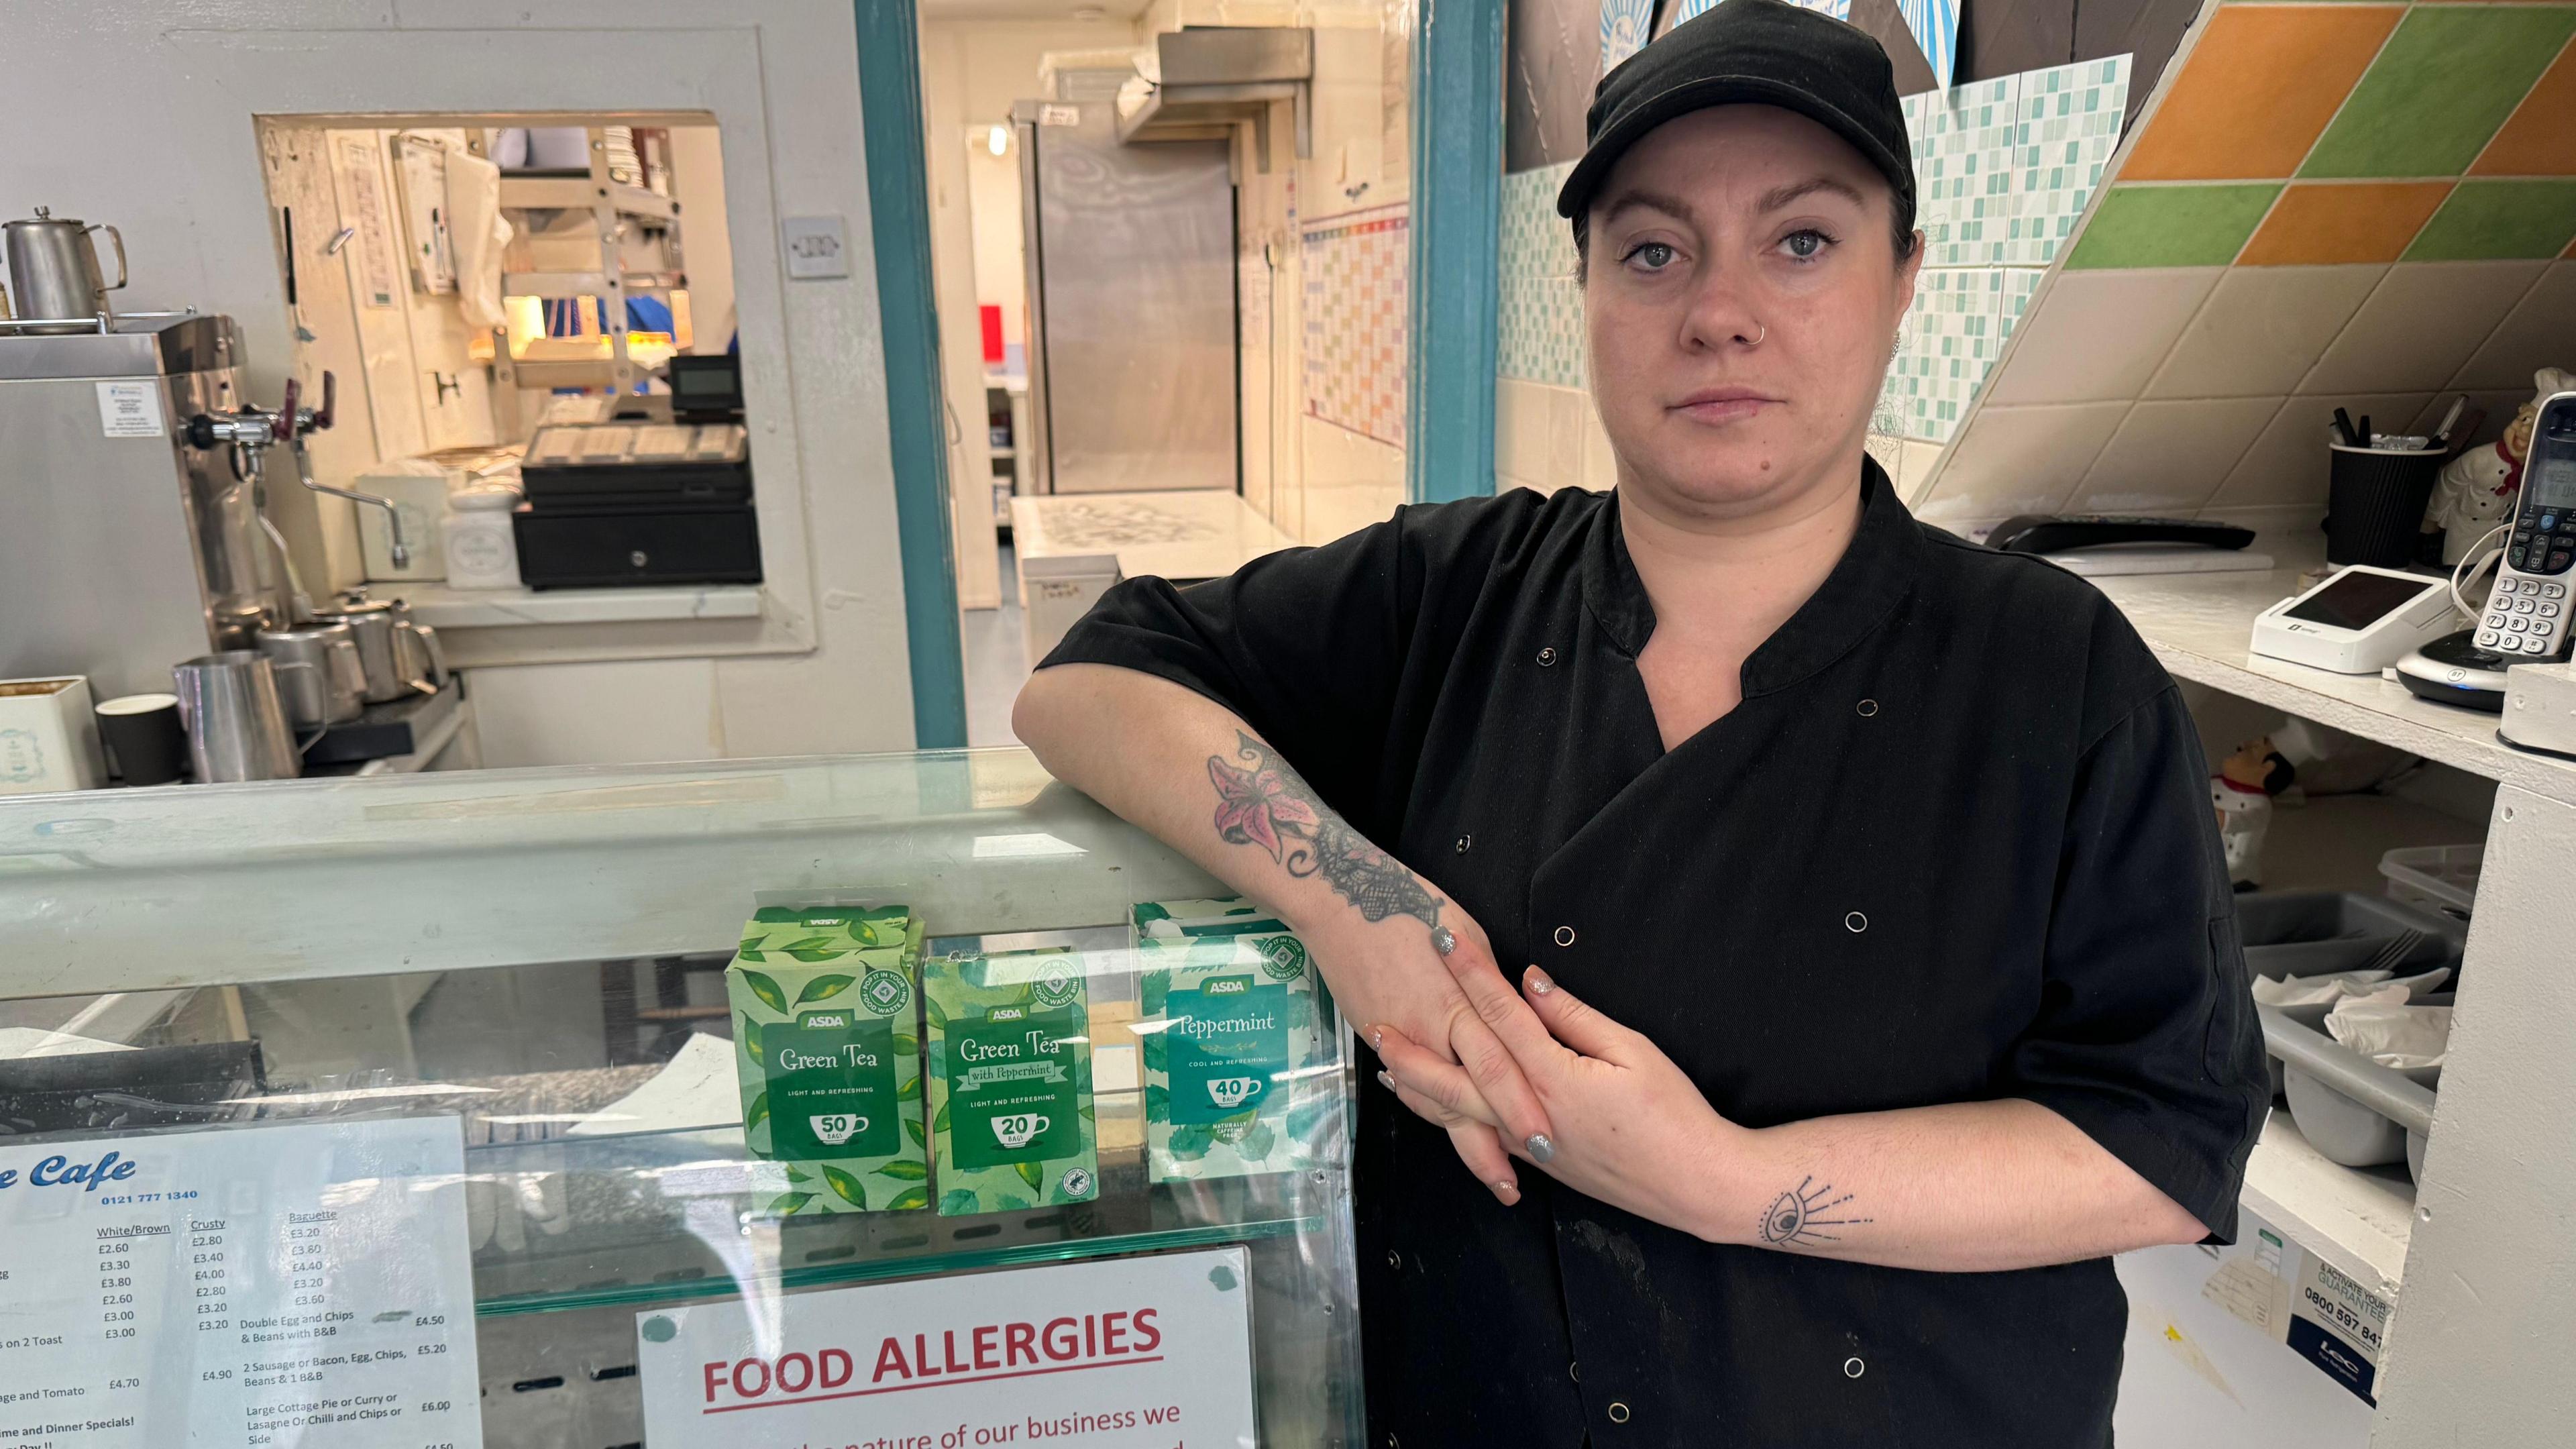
(1507, 1190)
(1540, 1149)
(1377, 1038)
(1386, 1080)
(1443, 940)
(1539, 985)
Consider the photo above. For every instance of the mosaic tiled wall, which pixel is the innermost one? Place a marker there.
(2360, 205)
(1353, 269)
(2003, 168)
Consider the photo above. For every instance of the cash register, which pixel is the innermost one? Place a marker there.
(658, 492)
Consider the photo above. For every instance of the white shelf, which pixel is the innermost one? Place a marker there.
(2198, 625)
(577, 193)
(2356, 1219)
(446, 608)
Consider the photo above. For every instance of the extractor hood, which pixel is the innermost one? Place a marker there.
(1215, 78)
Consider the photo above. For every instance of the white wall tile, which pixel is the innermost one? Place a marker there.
(1567, 416)
(1920, 459)
(2539, 332)
(2019, 460)
(2287, 462)
(2420, 324)
(1520, 427)
(2169, 457)
(2098, 336)
(2262, 330)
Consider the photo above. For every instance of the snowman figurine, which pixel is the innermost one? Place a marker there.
(2479, 489)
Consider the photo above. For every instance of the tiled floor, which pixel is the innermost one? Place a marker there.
(997, 662)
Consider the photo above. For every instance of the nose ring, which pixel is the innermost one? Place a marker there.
(1758, 336)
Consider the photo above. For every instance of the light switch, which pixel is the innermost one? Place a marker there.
(817, 247)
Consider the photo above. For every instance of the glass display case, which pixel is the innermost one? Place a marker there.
(411, 1111)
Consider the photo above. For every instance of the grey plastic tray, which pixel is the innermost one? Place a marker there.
(2350, 1108)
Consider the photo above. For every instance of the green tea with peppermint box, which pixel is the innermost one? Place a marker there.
(828, 1056)
(1236, 1029)
(1009, 1049)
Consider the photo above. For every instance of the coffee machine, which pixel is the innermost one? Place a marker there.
(130, 488)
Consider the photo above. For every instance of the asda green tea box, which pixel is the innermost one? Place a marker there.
(1240, 1076)
(1010, 1080)
(830, 1060)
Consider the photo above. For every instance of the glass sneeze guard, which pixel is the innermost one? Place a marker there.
(539, 955)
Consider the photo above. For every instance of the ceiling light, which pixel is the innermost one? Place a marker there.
(998, 140)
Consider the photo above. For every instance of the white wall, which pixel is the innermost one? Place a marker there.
(174, 162)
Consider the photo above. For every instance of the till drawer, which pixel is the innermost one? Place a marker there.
(606, 549)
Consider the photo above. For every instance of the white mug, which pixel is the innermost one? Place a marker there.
(834, 1128)
(1016, 1129)
(1233, 1092)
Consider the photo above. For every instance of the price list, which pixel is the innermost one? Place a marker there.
(304, 1285)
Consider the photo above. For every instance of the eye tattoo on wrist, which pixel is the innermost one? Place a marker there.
(1796, 1217)
(1265, 802)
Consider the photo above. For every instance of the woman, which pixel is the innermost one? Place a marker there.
(1877, 973)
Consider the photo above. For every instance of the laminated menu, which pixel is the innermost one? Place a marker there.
(1010, 1080)
(829, 1059)
(1239, 1077)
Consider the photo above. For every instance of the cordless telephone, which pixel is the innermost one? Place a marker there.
(2526, 618)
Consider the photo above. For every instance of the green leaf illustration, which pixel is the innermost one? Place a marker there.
(910, 1091)
(1191, 1141)
(787, 1203)
(940, 1124)
(1085, 1113)
(749, 950)
(906, 1169)
(750, 1035)
(912, 1128)
(911, 1199)
(1150, 911)
(757, 1113)
(1158, 1054)
(1307, 1119)
(959, 1201)
(905, 1045)
(1158, 1103)
(824, 988)
(767, 990)
(846, 1187)
(866, 934)
(798, 1174)
(1029, 1174)
(1258, 1142)
(808, 943)
(931, 1008)
(1009, 1204)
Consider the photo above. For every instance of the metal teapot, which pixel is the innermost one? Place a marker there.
(53, 268)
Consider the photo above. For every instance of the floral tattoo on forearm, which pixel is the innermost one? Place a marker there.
(1264, 802)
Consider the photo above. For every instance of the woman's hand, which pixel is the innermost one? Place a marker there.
(1633, 1130)
(1392, 971)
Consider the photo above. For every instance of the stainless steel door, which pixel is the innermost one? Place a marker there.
(1133, 359)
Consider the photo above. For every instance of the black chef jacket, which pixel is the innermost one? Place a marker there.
(1954, 845)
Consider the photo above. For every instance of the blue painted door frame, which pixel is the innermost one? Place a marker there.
(1456, 240)
(899, 219)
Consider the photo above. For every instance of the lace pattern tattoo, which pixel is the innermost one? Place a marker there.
(1797, 1218)
(1264, 802)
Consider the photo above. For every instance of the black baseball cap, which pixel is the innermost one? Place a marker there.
(1762, 52)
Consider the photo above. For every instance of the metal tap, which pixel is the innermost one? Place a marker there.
(252, 431)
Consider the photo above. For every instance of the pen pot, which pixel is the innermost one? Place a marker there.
(2375, 501)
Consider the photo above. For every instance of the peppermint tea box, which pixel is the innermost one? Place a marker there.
(1009, 1050)
(1236, 1029)
(829, 1058)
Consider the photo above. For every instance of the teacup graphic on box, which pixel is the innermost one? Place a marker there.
(1232, 1092)
(832, 1129)
(1015, 1130)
